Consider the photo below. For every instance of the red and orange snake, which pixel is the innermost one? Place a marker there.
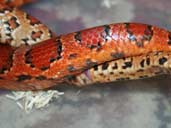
(33, 58)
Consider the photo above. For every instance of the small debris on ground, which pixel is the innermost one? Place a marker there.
(38, 100)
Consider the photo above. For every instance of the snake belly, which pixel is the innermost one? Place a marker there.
(131, 68)
(45, 60)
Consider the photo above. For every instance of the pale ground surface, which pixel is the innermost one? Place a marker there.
(133, 104)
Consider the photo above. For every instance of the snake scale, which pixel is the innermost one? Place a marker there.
(32, 57)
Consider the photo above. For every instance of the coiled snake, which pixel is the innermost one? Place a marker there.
(33, 58)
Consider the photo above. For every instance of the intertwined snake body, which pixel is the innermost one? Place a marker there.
(33, 58)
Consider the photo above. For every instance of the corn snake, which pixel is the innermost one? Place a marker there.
(82, 58)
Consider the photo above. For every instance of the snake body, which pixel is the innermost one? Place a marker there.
(15, 3)
(100, 54)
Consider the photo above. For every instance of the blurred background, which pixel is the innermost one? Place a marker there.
(128, 104)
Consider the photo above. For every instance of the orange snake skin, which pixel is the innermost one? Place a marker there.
(33, 58)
